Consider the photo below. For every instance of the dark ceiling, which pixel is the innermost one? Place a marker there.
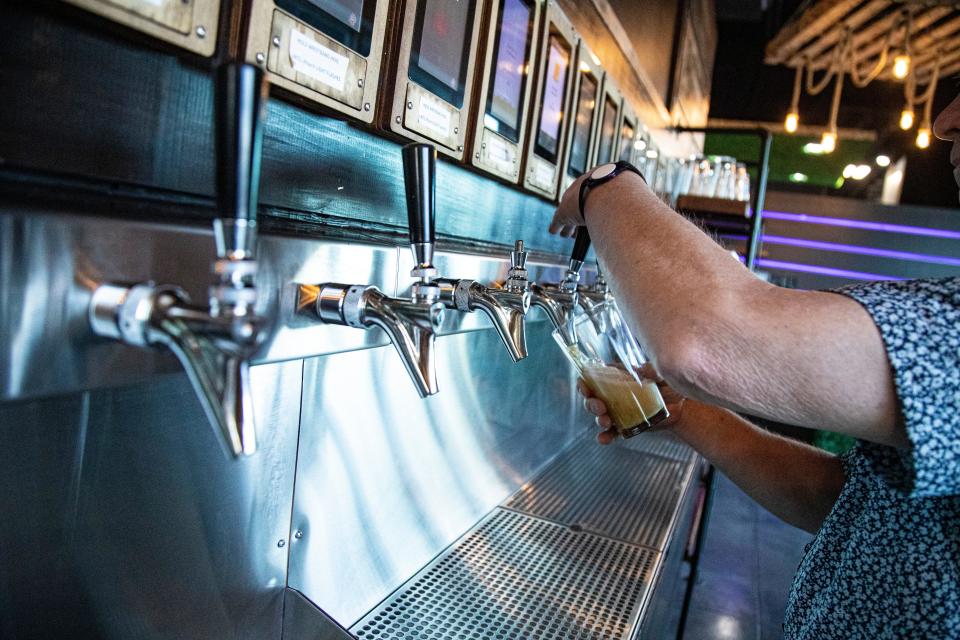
(746, 89)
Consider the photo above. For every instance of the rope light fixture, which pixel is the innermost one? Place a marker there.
(894, 56)
(926, 125)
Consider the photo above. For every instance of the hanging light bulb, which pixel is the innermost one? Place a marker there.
(923, 138)
(793, 116)
(906, 119)
(828, 141)
(792, 121)
(902, 61)
(901, 66)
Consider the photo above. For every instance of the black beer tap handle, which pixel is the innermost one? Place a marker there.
(419, 179)
(581, 245)
(239, 135)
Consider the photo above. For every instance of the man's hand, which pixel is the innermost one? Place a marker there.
(596, 406)
(567, 217)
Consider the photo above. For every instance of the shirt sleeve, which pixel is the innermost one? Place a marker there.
(919, 321)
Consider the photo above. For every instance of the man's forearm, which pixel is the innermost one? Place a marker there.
(796, 482)
(717, 333)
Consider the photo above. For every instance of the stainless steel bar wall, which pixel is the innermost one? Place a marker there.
(118, 488)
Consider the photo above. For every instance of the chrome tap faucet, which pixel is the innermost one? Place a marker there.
(411, 323)
(506, 307)
(560, 301)
(214, 343)
(595, 301)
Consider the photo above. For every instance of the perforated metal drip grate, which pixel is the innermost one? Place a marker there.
(514, 576)
(660, 443)
(611, 491)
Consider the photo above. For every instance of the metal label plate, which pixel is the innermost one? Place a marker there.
(190, 24)
(311, 59)
(498, 155)
(175, 14)
(432, 117)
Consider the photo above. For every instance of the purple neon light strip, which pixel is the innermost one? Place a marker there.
(861, 250)
(863, 224)
(823, 271)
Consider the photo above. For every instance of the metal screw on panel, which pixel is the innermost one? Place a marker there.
(398, 119)
(360, 82)
(366, 106)
(456, 130)
(460, 148)
(409, 105)
(276, 41)
(201, 31)
(477, 155)
(483, 146)
(260, 57)
(281, 543)
(298, 534)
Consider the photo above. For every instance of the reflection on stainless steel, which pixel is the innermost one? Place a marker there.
(302, 620)
(385, 480)
(135, 524)
(506, 307)
(213, 343)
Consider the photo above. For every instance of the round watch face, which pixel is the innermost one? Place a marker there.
(603, 171)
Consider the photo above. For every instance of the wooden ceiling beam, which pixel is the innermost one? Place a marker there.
(868, 44)
(951, 70)
(926, 46)
(833, 36)
(925, 70)
(808, 25)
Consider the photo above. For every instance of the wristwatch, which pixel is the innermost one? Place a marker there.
(601, 174)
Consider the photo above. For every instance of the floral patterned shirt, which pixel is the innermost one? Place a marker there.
(886, 562)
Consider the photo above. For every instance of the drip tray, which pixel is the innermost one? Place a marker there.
(612, 491)
(517, 576)
(660, 443)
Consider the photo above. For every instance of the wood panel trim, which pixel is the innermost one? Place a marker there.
(619, 34)
(815, 20)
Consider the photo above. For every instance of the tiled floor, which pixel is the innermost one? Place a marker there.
(748, 561)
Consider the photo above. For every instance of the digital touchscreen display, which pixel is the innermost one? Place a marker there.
(514, 33)
(608, 132)
(554, 88)
(441, 45)
(349, 12)
(626, 141)
(580, 145)
(349, 22)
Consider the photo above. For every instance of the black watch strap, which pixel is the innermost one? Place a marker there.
(604, 173)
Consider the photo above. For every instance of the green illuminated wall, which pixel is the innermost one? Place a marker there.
(787, 156)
